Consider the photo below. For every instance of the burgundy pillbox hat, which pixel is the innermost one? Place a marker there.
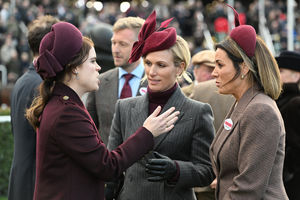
(57, 49)
(153, 40)
(243, 35)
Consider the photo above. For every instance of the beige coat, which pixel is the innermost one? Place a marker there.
(207, 92)
(188, 89)
(248, 157)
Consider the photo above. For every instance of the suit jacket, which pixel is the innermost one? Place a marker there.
(207, 92)
(187, 143)
(22, 174)
(248, 157)
(72, 160)
(101, 103)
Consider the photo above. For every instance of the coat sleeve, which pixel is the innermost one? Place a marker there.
(197, 171)
(79, 139)
(115, 136)
(261, 140)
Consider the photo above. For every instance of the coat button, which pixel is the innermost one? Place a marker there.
(65, 97)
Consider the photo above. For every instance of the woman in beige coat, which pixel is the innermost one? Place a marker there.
(248, 151)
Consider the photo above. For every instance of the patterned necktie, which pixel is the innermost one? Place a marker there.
(126, 91)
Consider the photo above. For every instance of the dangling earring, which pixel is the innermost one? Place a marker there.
(243, 76)
(76, 76)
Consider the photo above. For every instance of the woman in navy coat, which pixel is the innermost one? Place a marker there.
(72, 161)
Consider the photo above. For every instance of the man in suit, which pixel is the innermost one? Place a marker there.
(289, 106)
(22, 174)
(101, 104)
(203, 64)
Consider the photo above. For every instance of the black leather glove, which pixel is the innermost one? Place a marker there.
(160, 168)
(112, 188)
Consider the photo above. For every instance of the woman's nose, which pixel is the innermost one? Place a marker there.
(98, 68)
(214, 73)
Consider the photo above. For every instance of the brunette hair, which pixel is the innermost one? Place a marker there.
(37, 29)
(45, 89)
(263, 68)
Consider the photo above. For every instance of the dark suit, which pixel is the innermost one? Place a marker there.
(248, 157)
(187, 143)
(101, 103)
(22, 175)
(289, 106)
(72, 160)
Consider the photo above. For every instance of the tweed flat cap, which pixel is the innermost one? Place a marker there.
(206, 57)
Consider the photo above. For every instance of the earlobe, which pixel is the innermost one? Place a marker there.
(180, 69)
(245, 68)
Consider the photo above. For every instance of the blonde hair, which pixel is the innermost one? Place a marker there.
(181, 53)
(262, 66)
(133, 23)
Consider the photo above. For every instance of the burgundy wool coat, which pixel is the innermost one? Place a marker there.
(72, 161)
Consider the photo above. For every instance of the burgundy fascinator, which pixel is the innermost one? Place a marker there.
(150, 40)
(57, 49)
(243, 35)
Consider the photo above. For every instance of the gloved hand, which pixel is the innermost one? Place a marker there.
(160, 168)
(110, 190)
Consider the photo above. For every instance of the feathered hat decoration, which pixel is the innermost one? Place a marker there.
(243, 35)
(150, 39)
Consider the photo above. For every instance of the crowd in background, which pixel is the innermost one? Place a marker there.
(192, 19)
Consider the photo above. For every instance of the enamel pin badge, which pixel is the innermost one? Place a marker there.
(143, 90)
(228, 124)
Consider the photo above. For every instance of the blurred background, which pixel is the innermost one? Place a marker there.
(201, 23)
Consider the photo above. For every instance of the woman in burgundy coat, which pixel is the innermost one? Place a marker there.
(72, 161)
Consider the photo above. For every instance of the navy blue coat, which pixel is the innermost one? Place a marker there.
(22, 175)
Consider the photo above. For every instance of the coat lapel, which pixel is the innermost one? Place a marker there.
(111, 83)
(177, 101)
(234, 114)
(139, 113)
(142, 88)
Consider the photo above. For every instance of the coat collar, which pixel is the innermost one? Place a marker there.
(140, 111)
(234, 114)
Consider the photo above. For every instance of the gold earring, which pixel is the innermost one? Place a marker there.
(243, 76)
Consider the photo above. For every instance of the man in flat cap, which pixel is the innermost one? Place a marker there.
(289, 106)
(203, 64)
(204, 90)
